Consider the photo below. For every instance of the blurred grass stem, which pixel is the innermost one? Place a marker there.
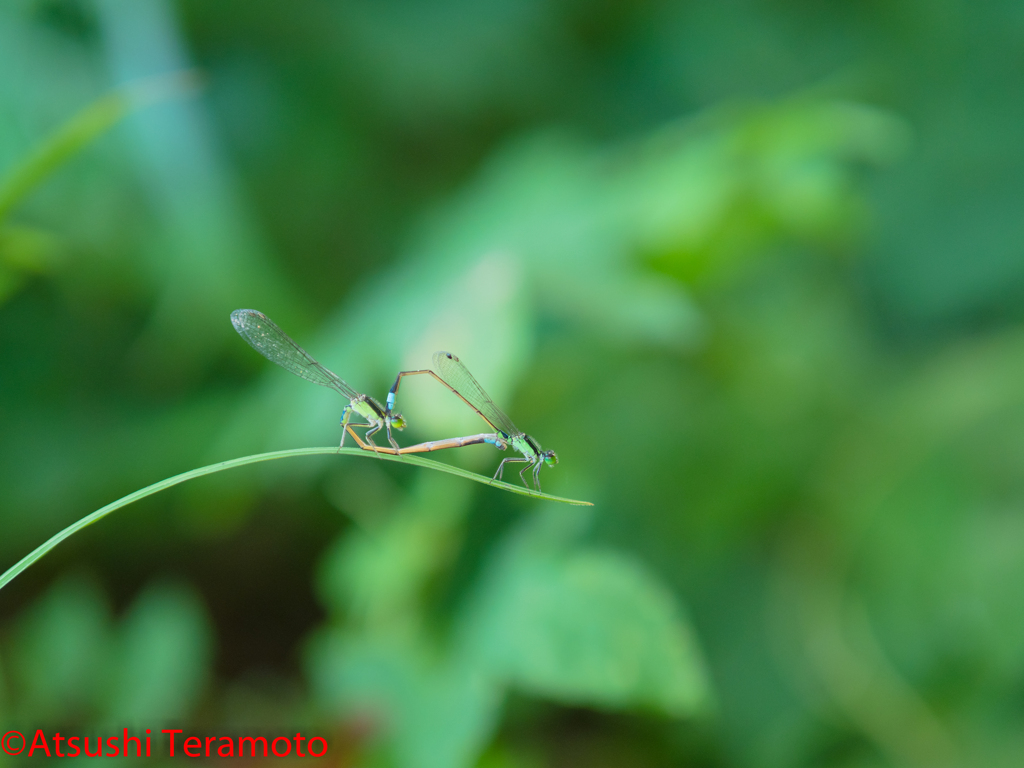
(88, 124)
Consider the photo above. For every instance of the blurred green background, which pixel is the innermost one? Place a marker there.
(753, 269)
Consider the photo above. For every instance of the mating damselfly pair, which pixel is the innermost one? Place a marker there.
(274, 344)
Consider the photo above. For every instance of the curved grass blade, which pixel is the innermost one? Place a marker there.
(88, 124)
(99, 514)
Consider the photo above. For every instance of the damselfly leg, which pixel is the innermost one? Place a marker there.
(391, 440)
(346, 427)
(512, 460)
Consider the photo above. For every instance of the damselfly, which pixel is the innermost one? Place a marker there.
(265, 337)
(451, 372)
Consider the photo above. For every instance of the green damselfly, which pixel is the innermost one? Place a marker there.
(451, 372)
(269, 340)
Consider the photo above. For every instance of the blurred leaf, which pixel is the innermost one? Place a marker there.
(71, 665)
(163, 658)
(586, 627)
(73, 136)
(379, 575)
(28, 249)
(207, 251)
(725, 185)
(61, 653)
(428, 710)
(451, 57)
(25, 251)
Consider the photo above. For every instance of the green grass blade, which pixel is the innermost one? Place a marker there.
(88, 124)
(99, 514)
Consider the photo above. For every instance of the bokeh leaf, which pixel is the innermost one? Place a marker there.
(61, 653)
(92, 121)
(163, 658)
(587, 627)
(430, 711)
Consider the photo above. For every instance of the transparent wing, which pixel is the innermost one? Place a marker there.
(457, 376)
(274, 344)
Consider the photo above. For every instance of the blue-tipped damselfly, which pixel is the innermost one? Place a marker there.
(269, 340)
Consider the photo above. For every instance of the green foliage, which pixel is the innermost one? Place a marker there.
(428, 710)
(25, 251)
(552, 619)
(59, 657)
(751, 270)
(585, 627)
(164, 652)
(73, 664)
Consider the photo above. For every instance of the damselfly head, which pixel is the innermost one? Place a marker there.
(550, 458)
(397, 421)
